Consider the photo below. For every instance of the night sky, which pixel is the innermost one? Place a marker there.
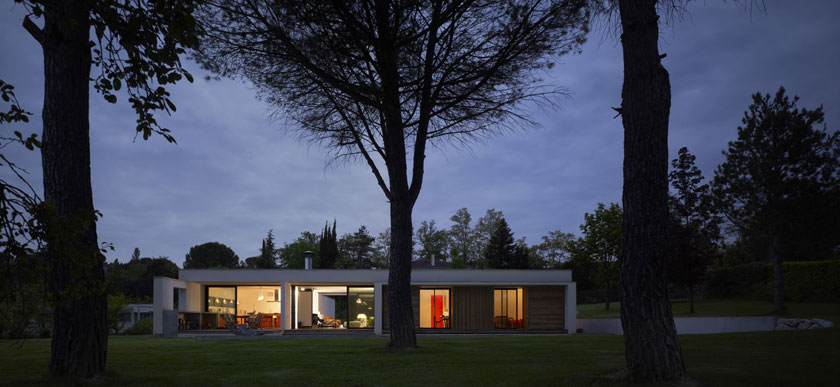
(238, 171)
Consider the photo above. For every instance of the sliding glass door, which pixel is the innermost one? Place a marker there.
(360, 307)
(507, 308)
(434, 308)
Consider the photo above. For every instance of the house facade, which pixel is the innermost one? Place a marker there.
(443, 300)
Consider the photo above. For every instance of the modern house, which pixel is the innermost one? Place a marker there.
(444, 300)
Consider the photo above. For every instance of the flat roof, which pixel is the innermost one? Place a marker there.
(418, 276)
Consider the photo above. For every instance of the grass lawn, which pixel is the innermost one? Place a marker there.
(713, 308)
(789, 358)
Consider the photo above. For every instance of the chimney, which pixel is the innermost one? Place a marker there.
(308, 260)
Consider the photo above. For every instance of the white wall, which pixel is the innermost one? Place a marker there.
(164, 292)
(688, 325)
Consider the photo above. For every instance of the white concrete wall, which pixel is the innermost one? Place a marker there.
(571, 308)
(164, 292)
(688, 325)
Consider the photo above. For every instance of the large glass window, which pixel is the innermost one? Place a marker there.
(251, 301)
(434, 308)
(507, 308)
(221, 299)
(360, 307)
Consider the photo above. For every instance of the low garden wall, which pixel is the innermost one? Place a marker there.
(688, 325)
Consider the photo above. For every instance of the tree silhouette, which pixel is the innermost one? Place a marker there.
(601, 240)
(780, 175)
(695, 228)
(379, 81)
(328, 253)
(500, 252)
(211, 255)
(138, 44)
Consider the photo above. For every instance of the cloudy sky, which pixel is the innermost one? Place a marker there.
(236, 173)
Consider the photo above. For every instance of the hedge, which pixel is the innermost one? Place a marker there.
(815, 281)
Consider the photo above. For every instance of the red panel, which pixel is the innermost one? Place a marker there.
(437, 311)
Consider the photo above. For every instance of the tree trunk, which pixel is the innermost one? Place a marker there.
(691, 299)
(778, 275)
(652, 349)
(400, 311)
(76, 274)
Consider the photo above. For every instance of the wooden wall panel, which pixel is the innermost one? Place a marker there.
(415, 304)
(546, 307)
(472, 308)
(385, 319)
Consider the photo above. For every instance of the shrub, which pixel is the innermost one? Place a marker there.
(741, 281)
(812, 281)
(815, 281)
(142, 327)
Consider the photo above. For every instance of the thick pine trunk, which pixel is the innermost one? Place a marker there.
(76, 277)
(778, 276)
(652, 348)
(400, 311)
(691, 299)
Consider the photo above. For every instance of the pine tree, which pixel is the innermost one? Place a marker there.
(136, 255)
(500, 252)
(781, 181)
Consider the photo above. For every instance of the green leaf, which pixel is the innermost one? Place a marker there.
(117, 84)
(111, 98)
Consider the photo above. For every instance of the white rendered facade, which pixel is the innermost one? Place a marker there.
(189, 291)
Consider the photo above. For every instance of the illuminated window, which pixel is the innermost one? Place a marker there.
(434, 308)
(507, 308)
(221, 299)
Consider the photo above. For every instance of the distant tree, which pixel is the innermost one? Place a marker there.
(500, 252)
(583, 265)
(484, 228)
(522, 257)
(135, 42)
(211, 255)
(554, 249)
(268, 253)
(251, 262)
(602, 240)
(116, 303)
(382, 249)
(328, 247)
(382, 81)
(432, 242)
(462, 239)
(781, 174)
(689, 254)
(292, 254)
(136, 254)
(135, 279)
(695, 228)
(358, 247)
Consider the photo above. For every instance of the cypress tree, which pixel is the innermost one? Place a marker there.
(328, 247)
